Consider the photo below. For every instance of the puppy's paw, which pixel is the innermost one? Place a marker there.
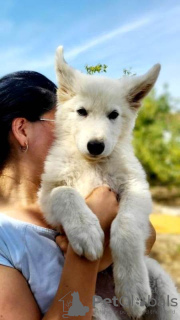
(132, 289)
(87, 237)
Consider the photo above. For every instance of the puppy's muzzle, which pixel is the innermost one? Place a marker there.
(95, 147)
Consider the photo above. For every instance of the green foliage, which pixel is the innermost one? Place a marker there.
(96, 69)
(157, 140)
(128, 72)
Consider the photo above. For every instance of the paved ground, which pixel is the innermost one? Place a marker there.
(166, 209)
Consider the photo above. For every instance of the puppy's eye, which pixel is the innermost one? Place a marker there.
(82, 112)
(113, 115)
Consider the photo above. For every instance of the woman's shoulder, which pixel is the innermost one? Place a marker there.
(10, 228)
(14, 231)
(33, 251)
(7, 221)
(11, 239)
(18, 237)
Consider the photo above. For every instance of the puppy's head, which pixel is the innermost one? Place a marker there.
(98, 112)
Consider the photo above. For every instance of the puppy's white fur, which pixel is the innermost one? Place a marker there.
(71, 173)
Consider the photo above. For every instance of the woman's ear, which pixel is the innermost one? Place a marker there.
(19, 130)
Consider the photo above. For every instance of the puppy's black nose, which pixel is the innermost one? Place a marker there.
(95, 147)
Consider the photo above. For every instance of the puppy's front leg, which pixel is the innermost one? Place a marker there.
(129, 231)
(81, 225)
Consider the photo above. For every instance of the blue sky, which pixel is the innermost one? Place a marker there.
(121, 34)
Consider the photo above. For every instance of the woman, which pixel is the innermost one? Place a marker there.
(31, 262)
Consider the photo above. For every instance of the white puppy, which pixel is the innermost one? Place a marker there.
(94, 122)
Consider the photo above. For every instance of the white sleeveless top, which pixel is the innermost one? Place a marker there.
(33, 251)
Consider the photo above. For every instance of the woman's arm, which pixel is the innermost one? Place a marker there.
(79, 275)
(151, 240)
(16, 299)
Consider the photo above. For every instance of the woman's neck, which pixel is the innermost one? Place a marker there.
(18, 194)
(18, 187)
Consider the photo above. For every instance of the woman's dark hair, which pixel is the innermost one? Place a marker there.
(25, 94)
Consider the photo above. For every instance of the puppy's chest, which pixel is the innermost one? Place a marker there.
(88, 178)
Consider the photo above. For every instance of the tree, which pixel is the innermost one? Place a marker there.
(157, 140)
(96, 69)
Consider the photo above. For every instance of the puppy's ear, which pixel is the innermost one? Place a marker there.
(65, 76)
(140, 86)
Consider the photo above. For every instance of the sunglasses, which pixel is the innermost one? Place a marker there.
(44, 119)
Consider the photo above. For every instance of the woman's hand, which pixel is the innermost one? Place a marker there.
(103, 202)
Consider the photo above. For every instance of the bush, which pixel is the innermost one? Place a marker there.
(157, 140)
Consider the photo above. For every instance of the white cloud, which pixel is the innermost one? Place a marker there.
(103, 38)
